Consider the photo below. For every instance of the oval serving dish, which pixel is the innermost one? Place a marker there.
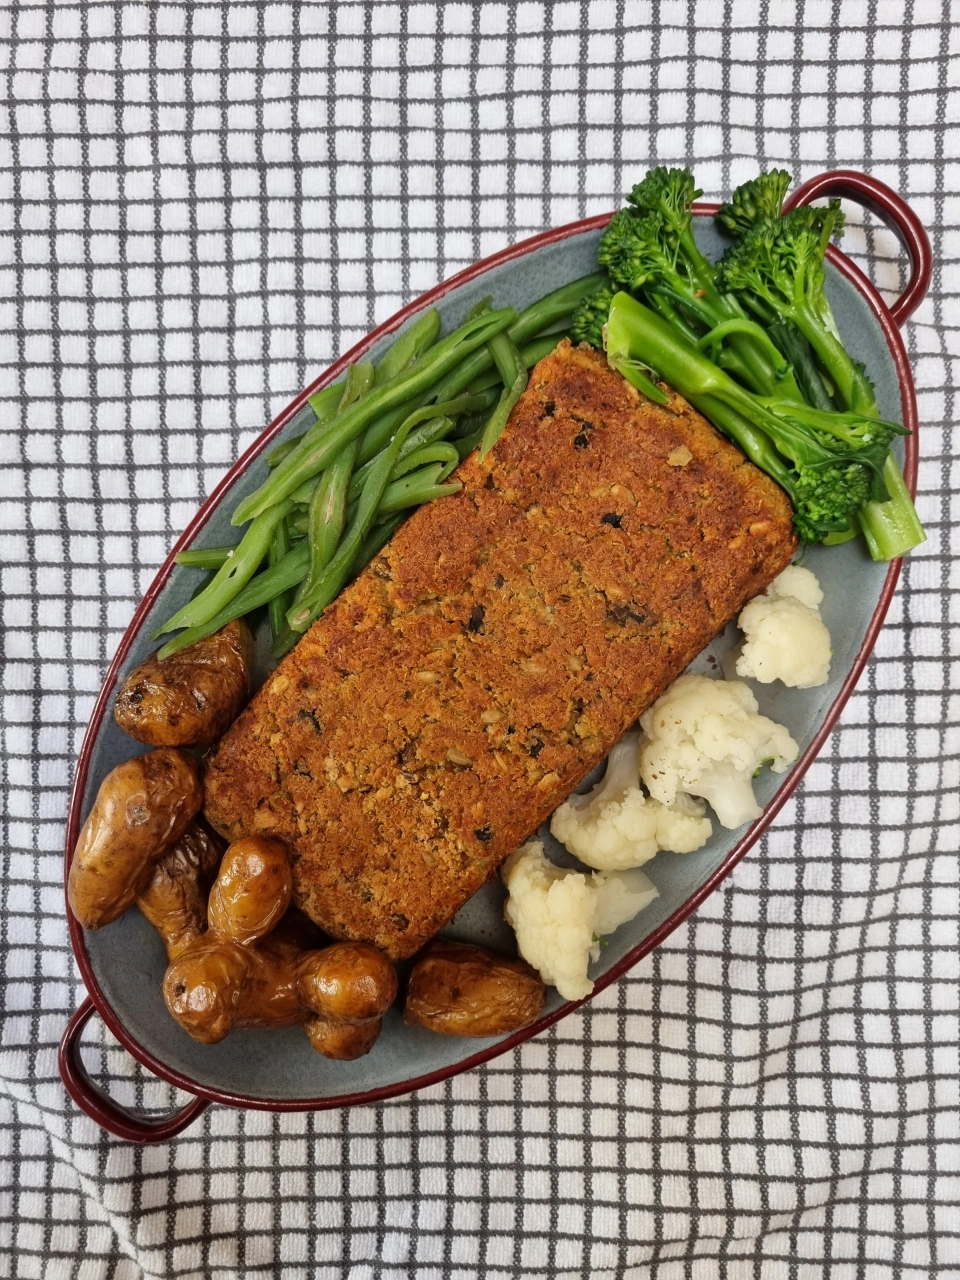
(123, 964)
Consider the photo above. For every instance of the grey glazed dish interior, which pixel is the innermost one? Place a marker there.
(127, 958)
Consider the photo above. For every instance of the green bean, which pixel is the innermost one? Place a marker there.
(258, 591)
(208, 558)
(278, 606)
(332, 579)
(554, 307)
(478, 308)
(466, 444)
(303, 496)
(440, 451)
(324, 403)
(381, 431)
(431, 430)
(514, 374)
(358, 383)
(299, 521)
(328, 514)
(378, 537)
(417, 488)
(530, 354)
(412, 343)
(277, 455)
(317, 448)
(232, 575)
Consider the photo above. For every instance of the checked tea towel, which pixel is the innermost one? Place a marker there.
(202, 202)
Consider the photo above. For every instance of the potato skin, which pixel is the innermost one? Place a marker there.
(252, 890)
(191, 698)
(342, 1040)
(218, 985)
(174, 899)
(142, 808)
(348, 982)
(460, 990)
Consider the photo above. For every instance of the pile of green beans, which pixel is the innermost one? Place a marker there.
(385, 440)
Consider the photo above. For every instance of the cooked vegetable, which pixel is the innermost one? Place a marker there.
(591, 315)
(777, 267)
(786, 638)
(348, 982)
(142, 808)
(560, 916)
(191, 700)
(759, 200)
(233, 575)
(460, 990)
(323, 442)
(342, 1041)
(218, 985)
(615, 826)
(174, 899)
(651, 246)
(252, 889)
(706, 738)
(513, 372)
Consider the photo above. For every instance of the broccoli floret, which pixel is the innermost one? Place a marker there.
(825, 499)
(759, 200)
(590, 317)
(778, 266)
(667, 191)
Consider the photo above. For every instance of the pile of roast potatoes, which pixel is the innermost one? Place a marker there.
(240, 955)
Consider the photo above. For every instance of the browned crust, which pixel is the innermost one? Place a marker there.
(463, 685)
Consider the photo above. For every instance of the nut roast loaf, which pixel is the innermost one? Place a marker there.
(495, 650)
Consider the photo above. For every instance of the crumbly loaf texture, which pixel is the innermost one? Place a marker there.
(496, 649)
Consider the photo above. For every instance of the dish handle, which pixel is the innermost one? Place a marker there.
(99, 1106)
(891, 209)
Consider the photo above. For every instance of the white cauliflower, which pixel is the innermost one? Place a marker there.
(786, 638)
(706, 738)
(559, 915)
(615, 826)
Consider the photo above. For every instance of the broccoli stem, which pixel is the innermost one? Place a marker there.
(892, 528)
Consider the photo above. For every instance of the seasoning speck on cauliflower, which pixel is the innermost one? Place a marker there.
(706, 738)
(615, 826)
(786, 638)
(560, 915)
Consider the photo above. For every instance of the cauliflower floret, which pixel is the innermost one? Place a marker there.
(706, 738)
(615, 826)
(559, 915)
(785, 636)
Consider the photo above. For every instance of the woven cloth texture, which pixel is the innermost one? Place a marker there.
(200, 205)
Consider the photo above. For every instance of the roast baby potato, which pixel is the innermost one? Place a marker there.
(252, 889)
(342, 1040)
(191, 698)
(142, 808)
(348, 982)
(219, 985)
(460, 990)
(174, 899)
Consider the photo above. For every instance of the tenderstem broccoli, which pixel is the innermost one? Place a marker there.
(777, 270)
(650, 247)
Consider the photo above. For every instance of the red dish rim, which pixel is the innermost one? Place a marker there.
(143, 1056)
